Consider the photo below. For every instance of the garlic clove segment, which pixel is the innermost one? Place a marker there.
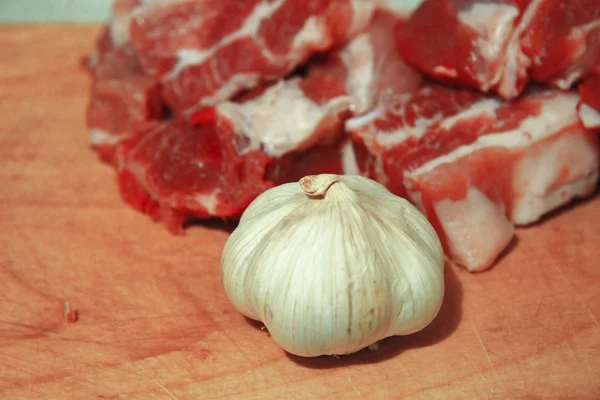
(333, 264)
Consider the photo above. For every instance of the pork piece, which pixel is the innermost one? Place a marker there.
(589, 107)
(291, 115)
(477, 165)
(498, 46)
(396, 131)
(123, 100)
(562, 40)
(216, 161)
(206, 51)
(296, 113)
(179, 171)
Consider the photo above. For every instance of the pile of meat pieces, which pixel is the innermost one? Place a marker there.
(482, 113)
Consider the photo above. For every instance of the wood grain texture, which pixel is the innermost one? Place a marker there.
(154, 322)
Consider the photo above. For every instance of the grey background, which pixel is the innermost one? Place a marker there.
(57, 11)
(53, 11)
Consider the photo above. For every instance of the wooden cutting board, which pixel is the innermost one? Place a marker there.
(154, 322)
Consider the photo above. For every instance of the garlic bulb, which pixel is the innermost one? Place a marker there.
(333, 265)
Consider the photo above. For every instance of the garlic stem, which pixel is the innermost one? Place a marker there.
(317, 185)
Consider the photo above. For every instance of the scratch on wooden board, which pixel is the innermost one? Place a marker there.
(387, 382)
(475, 366)
(137, 378)
(487, 355)
(577, 295)
(355, 388)
(165, 389)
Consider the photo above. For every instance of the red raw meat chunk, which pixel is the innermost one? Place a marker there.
(589, 107)
(291, 115)
(296, 113)
(177, 171)
(562, 40)
(216, 161)
(500, 45)
(476, 165)
(206, 51)
(123, 100)
(460, 41)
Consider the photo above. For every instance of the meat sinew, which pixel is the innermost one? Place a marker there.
(498, 46)
(476, 165)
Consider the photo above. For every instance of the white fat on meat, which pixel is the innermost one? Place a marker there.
(558, 112)
(358, 57)
(283, 119)
(349, 164)
(567, 81)
(119, 29)
(531, 205)
(123, 12)
(484, 107)
(494, 22)
(312, 33)
(487, 107)
(579, 66)
(516, 62)
(362, 11)
(569, 158)
(100, 137)
(589, 116)
(554, 150)
(209, 202)
(477, 229)
(231, 87)
(445, 71)
(374, 68)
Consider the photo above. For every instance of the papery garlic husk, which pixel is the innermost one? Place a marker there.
(333, 264)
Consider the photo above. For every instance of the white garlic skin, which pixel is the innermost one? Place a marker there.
(333, 273)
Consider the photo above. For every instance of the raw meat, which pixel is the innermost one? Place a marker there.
(476, 165)
(296, 113)
(179, 171)
(123, 100)
(206, 51)
(498, 46)
(291, 115)
(200, 106)
(212, 162)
